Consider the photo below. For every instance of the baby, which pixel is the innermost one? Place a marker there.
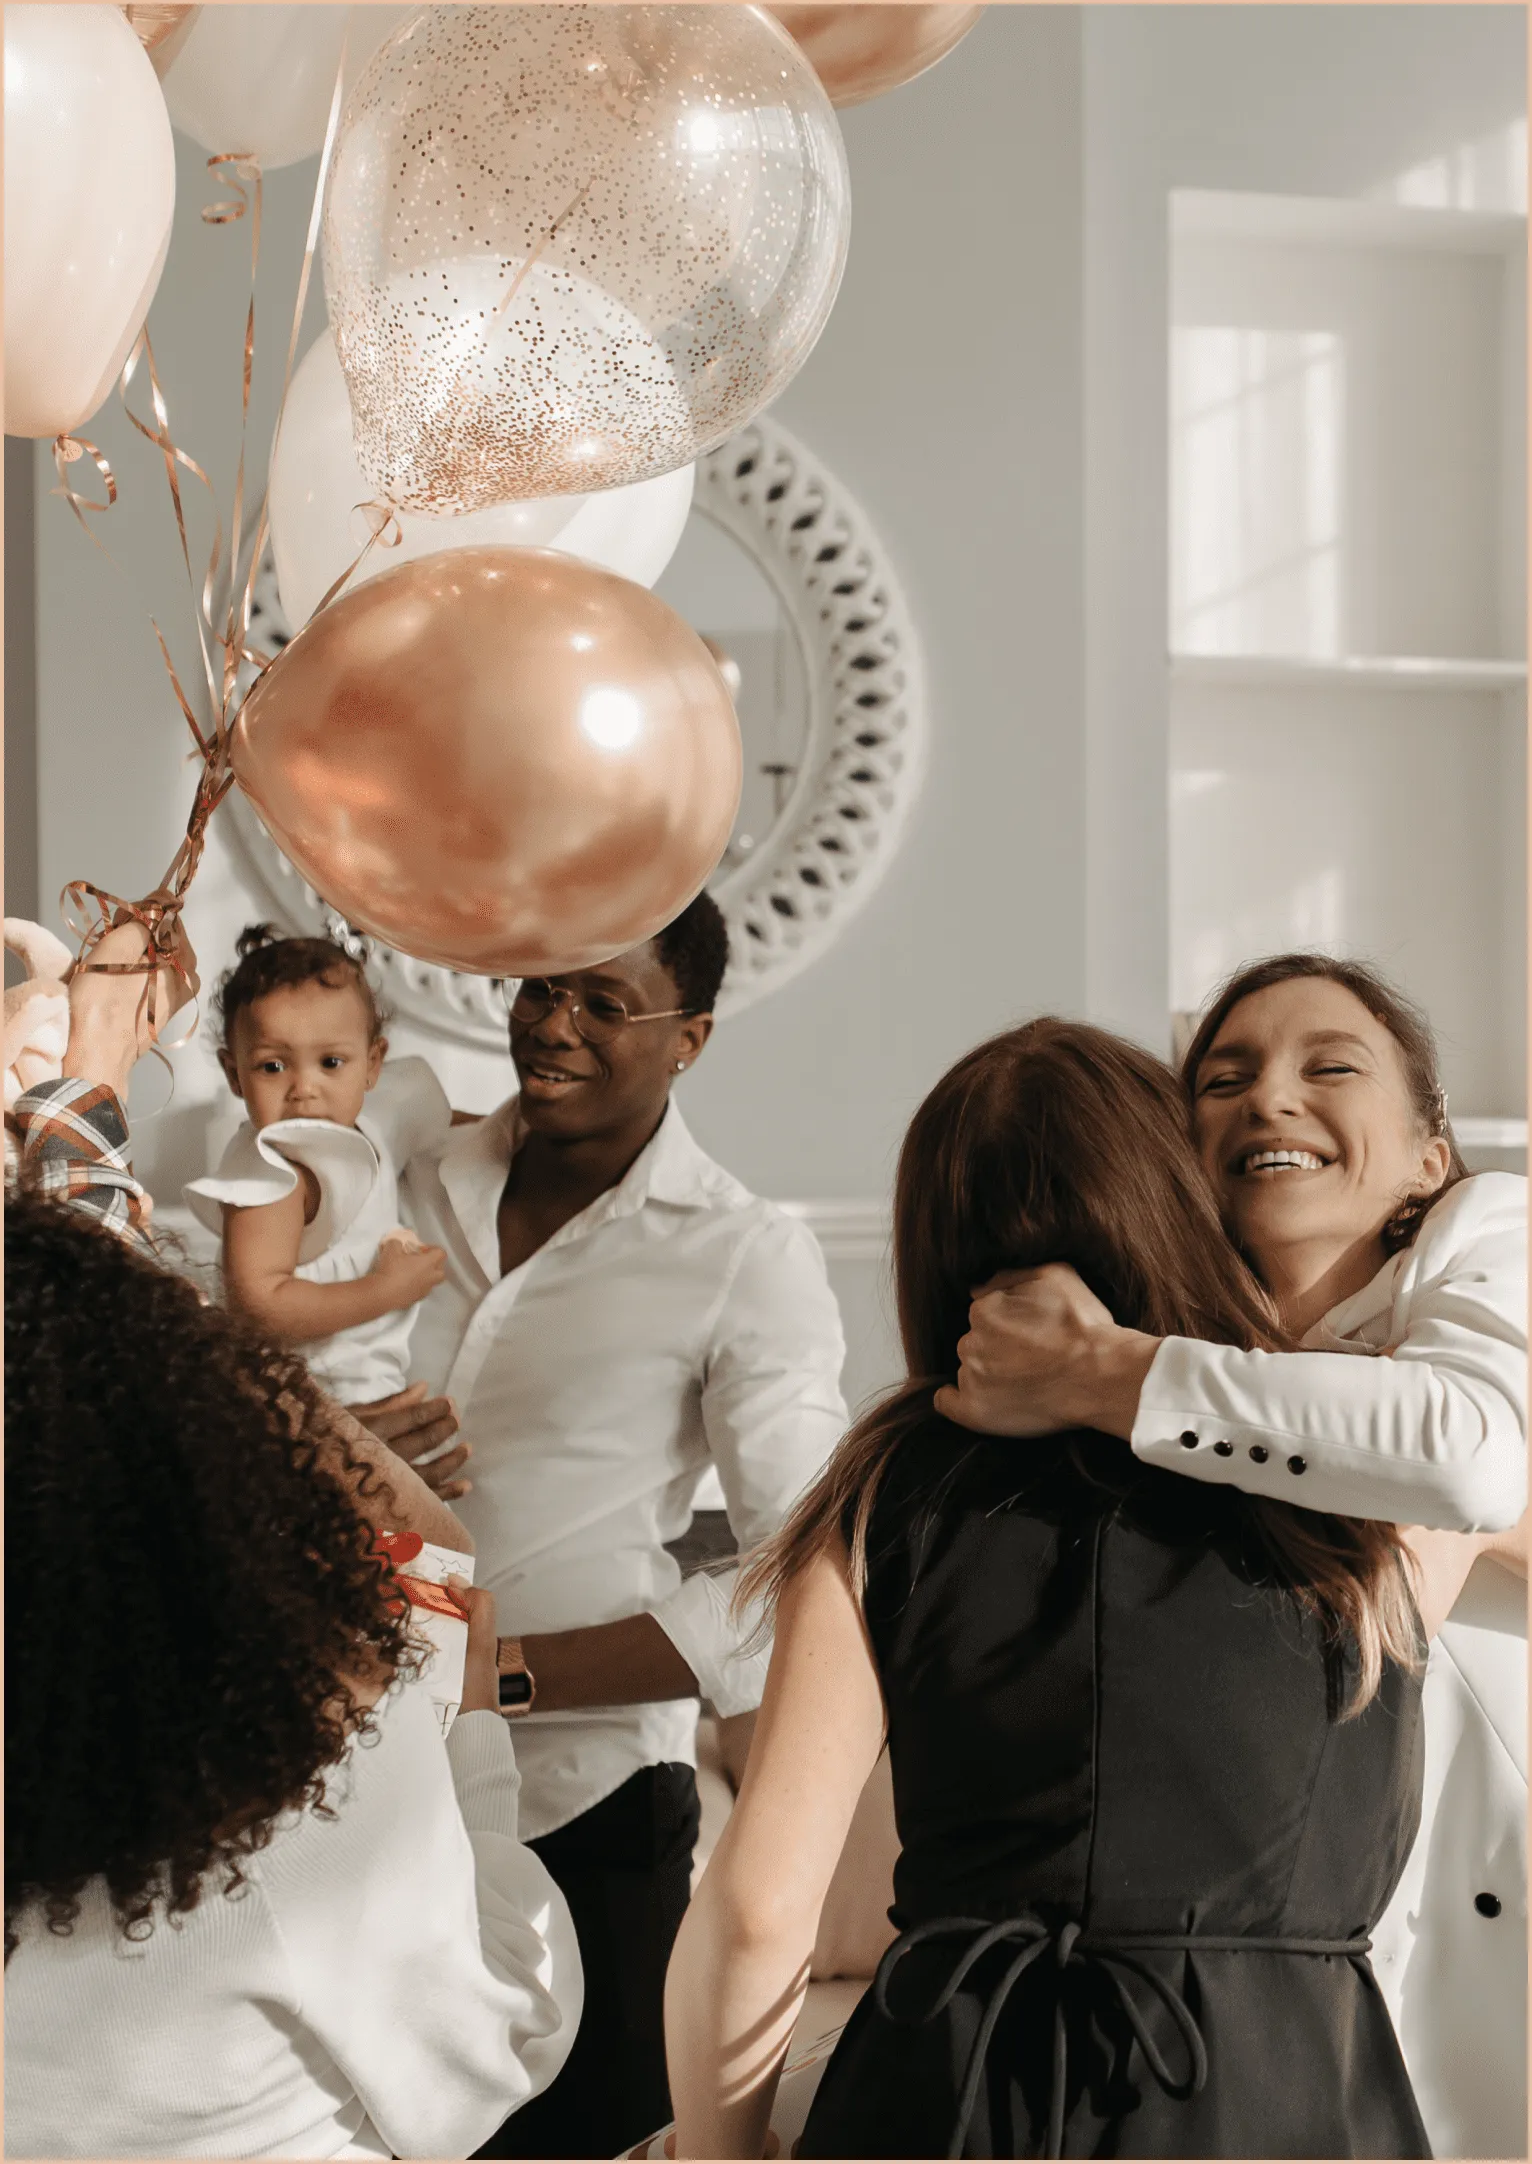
(306, 1196)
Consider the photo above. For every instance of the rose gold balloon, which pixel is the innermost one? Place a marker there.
(162, 31)
(728, 667)
(499, 759)
(859, 51)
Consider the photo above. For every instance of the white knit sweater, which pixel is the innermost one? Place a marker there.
(397, 1978)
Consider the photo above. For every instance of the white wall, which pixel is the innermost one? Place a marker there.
(1410, 103)
(992, 386)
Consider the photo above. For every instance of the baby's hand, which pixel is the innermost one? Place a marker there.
(406, 1270)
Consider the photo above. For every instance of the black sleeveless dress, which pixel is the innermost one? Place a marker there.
(1141, 1852)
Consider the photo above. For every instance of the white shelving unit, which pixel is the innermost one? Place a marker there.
(1347, 633)
(1376, 672)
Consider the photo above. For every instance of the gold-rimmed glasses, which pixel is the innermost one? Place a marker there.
(598, 1017)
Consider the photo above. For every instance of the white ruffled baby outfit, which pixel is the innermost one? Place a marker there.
(357, 1170)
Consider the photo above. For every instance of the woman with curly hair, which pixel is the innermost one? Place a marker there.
(253, 1906)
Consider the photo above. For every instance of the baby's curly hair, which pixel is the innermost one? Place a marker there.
(192, 1594)
(269, 962)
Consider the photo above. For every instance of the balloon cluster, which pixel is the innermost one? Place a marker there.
(567, 249)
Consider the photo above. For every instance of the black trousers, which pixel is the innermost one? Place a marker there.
(624, 1867)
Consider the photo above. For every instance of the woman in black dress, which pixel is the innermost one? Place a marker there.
(1154, 1743)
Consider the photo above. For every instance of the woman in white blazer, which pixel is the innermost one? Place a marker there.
(1319, 1113)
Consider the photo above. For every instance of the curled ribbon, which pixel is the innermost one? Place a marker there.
(159, 912)
(383, 531)
(66, 449)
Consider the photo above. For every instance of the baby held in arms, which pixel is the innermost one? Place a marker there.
(306, 1196)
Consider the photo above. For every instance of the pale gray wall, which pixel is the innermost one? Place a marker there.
(1282, 100)
(991, 385)
(946, 394)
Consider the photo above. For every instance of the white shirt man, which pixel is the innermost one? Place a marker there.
(618, 1313)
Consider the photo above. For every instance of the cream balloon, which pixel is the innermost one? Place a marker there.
(260, 79)
(90, 191)
(317, 489)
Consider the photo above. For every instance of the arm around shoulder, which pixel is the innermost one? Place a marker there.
(1434, 1434)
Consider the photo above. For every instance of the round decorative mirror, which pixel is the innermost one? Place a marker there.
(780, 570)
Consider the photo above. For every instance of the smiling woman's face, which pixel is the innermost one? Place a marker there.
(1303, 1117)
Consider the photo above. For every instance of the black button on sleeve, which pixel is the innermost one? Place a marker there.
(1259, 1452)
(1224, 1450)
(1487, 1904)
(1189, 1438)
(1297, 1465)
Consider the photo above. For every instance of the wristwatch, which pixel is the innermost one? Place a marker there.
(518, 1685)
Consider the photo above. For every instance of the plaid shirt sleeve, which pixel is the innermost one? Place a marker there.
(72, 1144)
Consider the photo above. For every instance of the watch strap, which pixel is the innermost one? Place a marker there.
(518, 1685)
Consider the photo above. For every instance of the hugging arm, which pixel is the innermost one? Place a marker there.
(741, 1962)
(1434, 1435)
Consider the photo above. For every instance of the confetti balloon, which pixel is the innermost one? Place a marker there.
(572, 247)
(499, 759)
(320, 516)
(859, 51)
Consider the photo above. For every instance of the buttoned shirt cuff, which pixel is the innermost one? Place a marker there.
(1190, 1423)
(730, 1666)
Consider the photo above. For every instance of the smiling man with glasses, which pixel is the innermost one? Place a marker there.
(618, 1314)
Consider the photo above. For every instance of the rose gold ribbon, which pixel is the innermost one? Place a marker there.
(66, 449)
(383, 531)
(159, 912)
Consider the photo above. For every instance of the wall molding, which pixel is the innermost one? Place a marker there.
(854, 1229)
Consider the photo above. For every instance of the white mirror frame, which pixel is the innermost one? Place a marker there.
(858, 778)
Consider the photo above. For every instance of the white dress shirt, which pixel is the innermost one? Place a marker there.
(1435, 1435)
(393, 1980)
(678, 1320)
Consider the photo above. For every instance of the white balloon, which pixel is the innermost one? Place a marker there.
(260, 79)
(317, 488)
(90, 191)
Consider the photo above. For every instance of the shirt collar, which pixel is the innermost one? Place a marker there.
(670, 1168)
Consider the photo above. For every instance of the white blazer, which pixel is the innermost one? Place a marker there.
(1434, 1435)
(1450, 1950)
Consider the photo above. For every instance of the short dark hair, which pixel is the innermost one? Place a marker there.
(270, 962)
(1404, 1022)
(694, 947)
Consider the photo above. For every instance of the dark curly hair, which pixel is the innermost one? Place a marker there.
(270, 962)
(192, 1602)
(694, 947)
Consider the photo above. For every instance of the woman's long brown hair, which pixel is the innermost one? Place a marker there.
(1057, 1142)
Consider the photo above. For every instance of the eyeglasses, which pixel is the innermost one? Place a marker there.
(598, 1018)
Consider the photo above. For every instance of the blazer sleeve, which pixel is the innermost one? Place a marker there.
(772, 1411)
(432, 1956)
(1434, 1434)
